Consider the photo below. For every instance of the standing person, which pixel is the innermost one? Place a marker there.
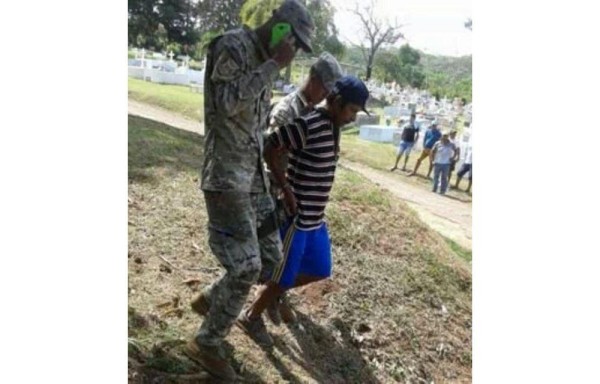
(466, 167)
(456, 157)
(321, 79)
(410, 135)
(441, 156)
(312, 142)
(241, 66)
(432, 135)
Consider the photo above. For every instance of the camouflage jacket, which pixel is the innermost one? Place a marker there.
(237, 95)
(289, 108)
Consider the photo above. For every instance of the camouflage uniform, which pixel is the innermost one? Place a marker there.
(238, 79)
(289, 108)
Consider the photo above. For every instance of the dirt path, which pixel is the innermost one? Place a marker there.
(164, 116)
(450, 217)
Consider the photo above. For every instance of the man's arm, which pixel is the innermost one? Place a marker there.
(272, 153)
(433, 152)
(282, 140)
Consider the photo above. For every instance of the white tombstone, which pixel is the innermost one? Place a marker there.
(143, 57)
(171, 56)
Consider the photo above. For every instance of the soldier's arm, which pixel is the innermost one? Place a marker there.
(235, 86)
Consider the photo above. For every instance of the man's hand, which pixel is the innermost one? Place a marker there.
(289, 200)
(285, 51)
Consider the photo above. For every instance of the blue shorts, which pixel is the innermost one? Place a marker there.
(304, 252)
(405, 147)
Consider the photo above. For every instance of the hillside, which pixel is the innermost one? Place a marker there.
(445, 75)
(398, 308)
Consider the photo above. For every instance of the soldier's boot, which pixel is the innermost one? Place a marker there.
(273, 312)
(255, 328)
(211, 359)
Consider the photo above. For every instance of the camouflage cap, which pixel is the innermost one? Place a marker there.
(328, 69)
(297, 15)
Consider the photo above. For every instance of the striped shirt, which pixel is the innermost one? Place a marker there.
(313, 145)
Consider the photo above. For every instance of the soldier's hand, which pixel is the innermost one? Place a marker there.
(285, 51)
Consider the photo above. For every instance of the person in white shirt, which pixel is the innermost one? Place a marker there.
(441, 155)
(466, 167)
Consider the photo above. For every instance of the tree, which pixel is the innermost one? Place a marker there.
(387, 67)
(179, 19)
(376, 33)
(142, 22)
(402, 66)
(325, 37)
(411, 72)
(255, 13)
(218, 15)
(154, 24)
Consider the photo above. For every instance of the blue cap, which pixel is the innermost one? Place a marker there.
(352, 90)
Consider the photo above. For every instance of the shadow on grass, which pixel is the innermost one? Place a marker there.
(324, 357)
(155, 145)
(166, 363)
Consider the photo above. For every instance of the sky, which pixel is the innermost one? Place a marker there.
(433, 26)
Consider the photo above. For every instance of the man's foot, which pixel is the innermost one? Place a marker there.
(273, 312)
(255, 328)
(285, 309)
(201, 305)
(403, 169)
(211, 359)
(412, 174)
(393, 169)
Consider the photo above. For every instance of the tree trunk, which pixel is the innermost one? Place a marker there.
(369, 66)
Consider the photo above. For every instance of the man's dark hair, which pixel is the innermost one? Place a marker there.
(331, 99)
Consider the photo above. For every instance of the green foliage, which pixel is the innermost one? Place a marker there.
(408, 55)
(461, 252)
(218, 15)
(325, 37)
(255, 13)
(179, 25)
(402, 66)
(449, 76)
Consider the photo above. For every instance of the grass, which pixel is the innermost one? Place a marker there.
(175, 98)
(461, 252)
(397, 309)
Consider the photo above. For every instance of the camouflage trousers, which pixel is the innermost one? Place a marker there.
(234, 219)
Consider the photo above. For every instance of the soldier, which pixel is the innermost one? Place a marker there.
(321, 79)
(240, 68)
